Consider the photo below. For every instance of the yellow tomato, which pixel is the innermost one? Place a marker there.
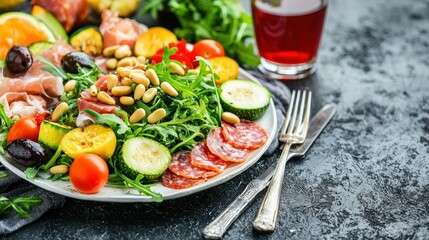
(225, 67)
(95, 139)
(152, 40)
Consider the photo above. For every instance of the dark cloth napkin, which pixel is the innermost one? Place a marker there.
(12, 186)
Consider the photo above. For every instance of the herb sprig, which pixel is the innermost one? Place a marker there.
(21, 205)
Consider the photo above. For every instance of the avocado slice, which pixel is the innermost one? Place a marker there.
(49, 19)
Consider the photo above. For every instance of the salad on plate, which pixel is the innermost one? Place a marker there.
(99, 109)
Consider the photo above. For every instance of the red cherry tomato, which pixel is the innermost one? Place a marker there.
(24, 128)
(208, 48)
(89, 173)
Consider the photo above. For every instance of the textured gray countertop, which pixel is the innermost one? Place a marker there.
(367, 175)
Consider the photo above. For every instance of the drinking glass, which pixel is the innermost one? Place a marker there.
(288, 34)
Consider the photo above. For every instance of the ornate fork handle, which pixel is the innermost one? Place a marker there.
(217, 227)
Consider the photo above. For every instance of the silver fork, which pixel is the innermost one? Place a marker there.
(294, 131)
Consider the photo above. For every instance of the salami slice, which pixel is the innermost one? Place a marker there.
(202, 157)
(221, 148)
(172, 180)
(246, 134)
(181, 165)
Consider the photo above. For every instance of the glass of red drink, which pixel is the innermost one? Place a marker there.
(288, 34)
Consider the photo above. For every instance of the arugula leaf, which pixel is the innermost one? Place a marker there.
(21, 205)
(113, 121)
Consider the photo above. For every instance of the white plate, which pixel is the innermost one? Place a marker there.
(113, 194)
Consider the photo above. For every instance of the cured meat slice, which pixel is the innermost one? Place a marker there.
(181, 165)
(221, 148)
(23, 104)
(120, 31)
(172, 180)
(246, 134)
(202, 157)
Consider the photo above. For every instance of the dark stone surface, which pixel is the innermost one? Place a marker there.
(367, 175)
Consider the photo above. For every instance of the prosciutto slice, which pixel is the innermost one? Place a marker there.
(36, 90)
(119, 31)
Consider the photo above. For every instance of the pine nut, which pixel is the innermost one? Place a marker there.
(125, 100)
(137, 70)
(149, 94)
(176, 69)
(139, 91)
(123, 51)
(157, 115)
(170, 90)
(119, 91)
(70, 86)
(141, 59)
(153, 77)
(230, 117)
(140, 66)
(137, 115)
(59, 169)
(112, 81)
(111, 63)
(126, 81)
(125, 62)
(59, 111)
(109, 51)
(93, 90)
(139, 78)
(123, 72)
(194, 71)
(105, 98)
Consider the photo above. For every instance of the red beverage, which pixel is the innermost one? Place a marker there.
(288, 32)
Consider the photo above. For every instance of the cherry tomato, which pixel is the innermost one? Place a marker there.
(89, 173)
(24, 128)
(208, 48)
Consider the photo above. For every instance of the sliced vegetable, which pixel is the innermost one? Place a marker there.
(24, 128)
(51, 133)
(38, 48)
(88, 40)
(152, 40)
(51, 21)
(182, 55)
(89, 173)
(144, 156)
(95, 139)
(124, 8)
(246, 99)
(208, 48)
(226, 68)
(27, 152)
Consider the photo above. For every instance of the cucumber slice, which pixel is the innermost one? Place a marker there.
(38, 48)
(246, 99)
(51, 133)
(88, 40)
(144, 156)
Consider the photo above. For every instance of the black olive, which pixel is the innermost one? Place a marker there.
(71, 60)
(27, 152)
(19, 59)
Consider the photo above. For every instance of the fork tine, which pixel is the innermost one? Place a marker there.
(299, 126)
(295, 111)
(288, 114)
(307, 115)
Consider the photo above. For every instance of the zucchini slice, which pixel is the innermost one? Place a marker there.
(88, 40)
(51, 133)
(38, 48)
(246, 99)
(144, 156)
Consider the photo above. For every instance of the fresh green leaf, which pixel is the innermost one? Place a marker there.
(21, 205)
